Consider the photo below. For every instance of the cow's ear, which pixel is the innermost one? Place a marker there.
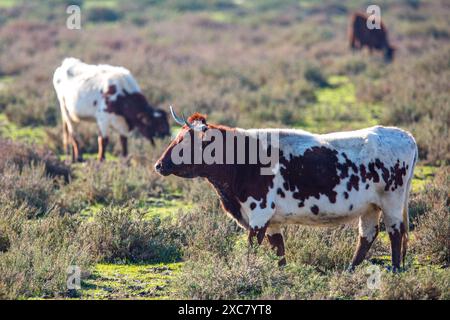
(144, 118)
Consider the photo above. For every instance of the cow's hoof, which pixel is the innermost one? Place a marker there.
(282, 263)
(350, 269)
(394, 269)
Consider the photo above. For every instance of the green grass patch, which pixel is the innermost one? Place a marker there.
(89, 156)
(142, 281)
(111, 4)
(423, 174)
(9, 3)
(337, 109)
(32, 135)
(165, 207)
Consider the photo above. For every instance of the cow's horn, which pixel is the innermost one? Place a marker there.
(177, 119)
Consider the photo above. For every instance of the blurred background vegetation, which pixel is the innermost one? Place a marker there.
(247, 63)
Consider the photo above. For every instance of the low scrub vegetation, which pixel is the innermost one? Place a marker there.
(261, 64)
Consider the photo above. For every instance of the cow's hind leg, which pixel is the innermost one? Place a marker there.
(76, 152)
(393, 220)
(276, 241)
(65, 138)
(102, 144)
(396, 230)
(368, 231)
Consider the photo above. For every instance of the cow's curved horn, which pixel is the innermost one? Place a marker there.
(177, 119)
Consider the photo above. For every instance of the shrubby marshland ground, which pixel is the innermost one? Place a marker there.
(244, 63)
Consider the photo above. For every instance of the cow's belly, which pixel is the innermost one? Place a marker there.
(322, 211)
(84, 106)
(320, 219)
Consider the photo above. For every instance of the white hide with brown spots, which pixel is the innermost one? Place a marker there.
(80, 88)
(361, 147)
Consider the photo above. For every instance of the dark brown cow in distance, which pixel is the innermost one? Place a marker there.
(319, 180)
(375, 39)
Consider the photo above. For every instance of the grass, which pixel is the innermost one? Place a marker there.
(337, 108)
(8, 3)
(130, 281)
(112, 4)
(31, 135)
(423, 174)
(246, 66)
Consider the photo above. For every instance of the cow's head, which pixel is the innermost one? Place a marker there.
(153, 123)
(193, 127)
(389, 53)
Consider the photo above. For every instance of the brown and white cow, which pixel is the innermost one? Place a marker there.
(321, 180)
(111, 97)
(375, 39)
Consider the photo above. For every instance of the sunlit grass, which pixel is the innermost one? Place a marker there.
(130, 281)
(32, 135)
(338, 109)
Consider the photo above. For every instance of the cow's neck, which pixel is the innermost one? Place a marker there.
(224, 184)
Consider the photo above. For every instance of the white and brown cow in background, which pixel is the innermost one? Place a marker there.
(319, 180)
(111, 97)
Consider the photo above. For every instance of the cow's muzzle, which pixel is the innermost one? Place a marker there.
(162, 170)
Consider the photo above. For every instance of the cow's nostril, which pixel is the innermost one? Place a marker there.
(158, 166)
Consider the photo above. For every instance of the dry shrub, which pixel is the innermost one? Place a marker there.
(432, 234)
(110, 182)
(124, 234)
(38, 254)
(420, 284)
(22, 155)
(324, 248)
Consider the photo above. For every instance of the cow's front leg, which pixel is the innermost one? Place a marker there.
(276, 241)
(102, 144)
(258, 232)
(124, 143)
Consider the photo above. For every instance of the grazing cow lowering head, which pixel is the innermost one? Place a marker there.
(153, 123)
(149, 121)
(108, 95)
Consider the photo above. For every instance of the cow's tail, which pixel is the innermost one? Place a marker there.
(405, 237)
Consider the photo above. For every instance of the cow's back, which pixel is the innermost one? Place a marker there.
(373, 38)
(330, 173)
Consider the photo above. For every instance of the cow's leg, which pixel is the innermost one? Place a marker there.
(124, 143)
(393, 220)
(258, 232)
(104, 125)
(65, 138)
(102, 144)
(276, 241)
(76, 153)
(368, 231)
(396, 231)
(353, 42)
